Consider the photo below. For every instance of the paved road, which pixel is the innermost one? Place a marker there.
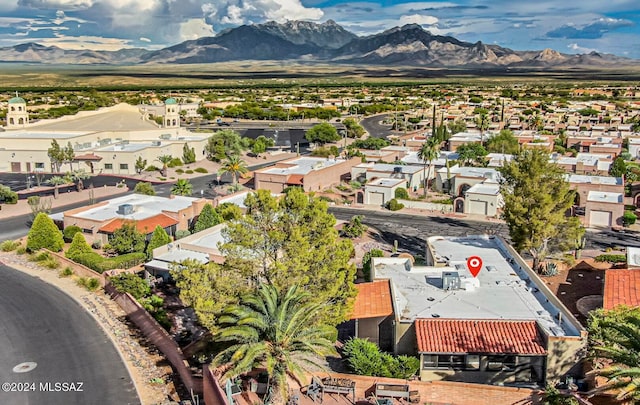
(411, 230)
(373, 125)
(41, 324)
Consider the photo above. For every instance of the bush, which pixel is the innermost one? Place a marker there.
(21, 250)
(355, 184)
(189, 171)
(354, 228)
(7, 196)
(132, 284)
(394, 205)
(611, 258)
(121, 262)
(200, 170)
(629, 218)
(89, 283)
(447, 201)
(40, 256)
(144, 188)
(365, 358)
(44, 234)
(50, 263)
(179, 171)
(151, 168)
(79, 246)
(175, 162)
(9, 245)
(366, 262)
(69, 232)
(402, 193)
(183, 233)
(96, 244)
(66, 272)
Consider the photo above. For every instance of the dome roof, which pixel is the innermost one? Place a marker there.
(17, 100)
(170, 100)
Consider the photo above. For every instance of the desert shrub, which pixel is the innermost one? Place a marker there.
(175, 162)
(151, 168)
(40, 256)
(21, 250)
(629, 218)
(50, 263)
(189, 171)
(9, 245)
(69, 232)
(145, 188)
(66, 272)
(402, 193)
(90, 259)
(179, 171)
(121, 262)
(609, 258)
(394, 205)
(442, 201)
(355, 184)
(354, 228)
(96, 244)
(366, 262)
(89, 283)
(132, 284)
(200, 170)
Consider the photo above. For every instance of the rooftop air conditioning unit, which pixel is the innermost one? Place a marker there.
(450, 280)
(125, 209)
(156, 143)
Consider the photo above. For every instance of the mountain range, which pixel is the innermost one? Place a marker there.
(409, 45)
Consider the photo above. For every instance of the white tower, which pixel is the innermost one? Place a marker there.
(17, 116)
(171, 114)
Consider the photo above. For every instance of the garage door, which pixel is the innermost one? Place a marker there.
(477, 207)
(600, 218)
(376, 198)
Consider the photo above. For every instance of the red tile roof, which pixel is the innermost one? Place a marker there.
(296, 179)
(373, 300)
(478, 336)
(88, 156)
(145, 226)
(621, 287)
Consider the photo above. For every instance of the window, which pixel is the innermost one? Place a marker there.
(39, 165)
(455, 362)
(499, 363)
(472, 362)
(108, 166)
(124, 166)
(429, 361)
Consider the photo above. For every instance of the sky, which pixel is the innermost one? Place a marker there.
(607, 26)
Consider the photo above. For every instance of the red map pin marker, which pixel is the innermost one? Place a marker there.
(474, 263)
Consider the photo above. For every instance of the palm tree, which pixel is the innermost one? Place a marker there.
(427, 153)
(57, 181)
(279, 332)
(234, 166)
(615, 338)
(164, 159)
(182, 187)
(482, 121)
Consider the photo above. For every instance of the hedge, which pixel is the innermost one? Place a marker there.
(611, 258)
(101, 264)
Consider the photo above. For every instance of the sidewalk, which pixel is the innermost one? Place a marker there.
(22, 208)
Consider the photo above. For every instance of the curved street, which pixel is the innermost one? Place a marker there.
(54, 349)
(374, 126)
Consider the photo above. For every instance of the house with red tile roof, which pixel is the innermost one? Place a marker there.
(621, 287)
(99, 221)
(503, 326)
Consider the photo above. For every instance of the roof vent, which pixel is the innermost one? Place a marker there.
(450, 280)
(435, 315)
(125, 209)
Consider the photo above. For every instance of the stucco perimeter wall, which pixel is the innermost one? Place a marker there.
(78, 269)
(317, 180)
(565, 355)
(421, 205)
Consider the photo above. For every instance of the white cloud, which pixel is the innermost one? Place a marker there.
(237, 12)
(418, 19)
(194, 29)
(144, 39)
(86, 42)
(57, 4)
(575, 48)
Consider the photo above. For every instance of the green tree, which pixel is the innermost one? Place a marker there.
(188, 154)
(56, 155)
(504, 142)
(69, 232)
(79, 246)
(354, 130)
(165, 160)
(145, 188)
(223, 144)
(428, 152)
(354, 228)
(536, 198)
(276, 331)
(44, 234)
(322, 133)
(370, 143)
(457, 126)
(57, 181)
(234, 166)
(292, 241)
(77, 177)
(208, 217)
(158, 238)
(259, 146)
(482, 122)
(182, 187)
(132, 284)
(127, 239)
(229, 211)
(614, 341)
(365, 358)
(618, 168)
(140, 164)
(472, 154)
(69, 154)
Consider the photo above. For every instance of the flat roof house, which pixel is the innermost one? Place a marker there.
(310, 173)
(502, 327)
